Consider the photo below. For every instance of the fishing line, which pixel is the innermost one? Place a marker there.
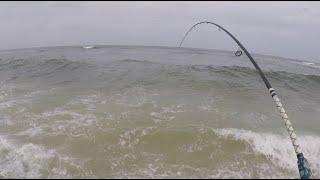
(303, 165)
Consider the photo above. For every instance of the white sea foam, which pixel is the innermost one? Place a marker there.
(32, 132)
(278, 147)
(132, 137)
(31, 161)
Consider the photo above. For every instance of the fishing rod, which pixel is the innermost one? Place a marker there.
(303, 165)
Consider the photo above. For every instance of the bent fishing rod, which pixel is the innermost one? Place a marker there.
(303, 165)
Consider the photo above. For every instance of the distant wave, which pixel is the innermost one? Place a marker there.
(30, 68)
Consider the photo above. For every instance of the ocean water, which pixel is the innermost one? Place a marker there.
(153, 112)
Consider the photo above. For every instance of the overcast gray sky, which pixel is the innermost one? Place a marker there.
(287, 29)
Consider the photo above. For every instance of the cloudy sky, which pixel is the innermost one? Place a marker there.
(287, 29)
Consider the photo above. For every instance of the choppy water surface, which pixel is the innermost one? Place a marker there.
(153, 112)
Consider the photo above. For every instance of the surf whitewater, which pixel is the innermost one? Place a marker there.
(152, 112)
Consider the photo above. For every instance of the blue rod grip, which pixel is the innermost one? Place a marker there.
(304, 168)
